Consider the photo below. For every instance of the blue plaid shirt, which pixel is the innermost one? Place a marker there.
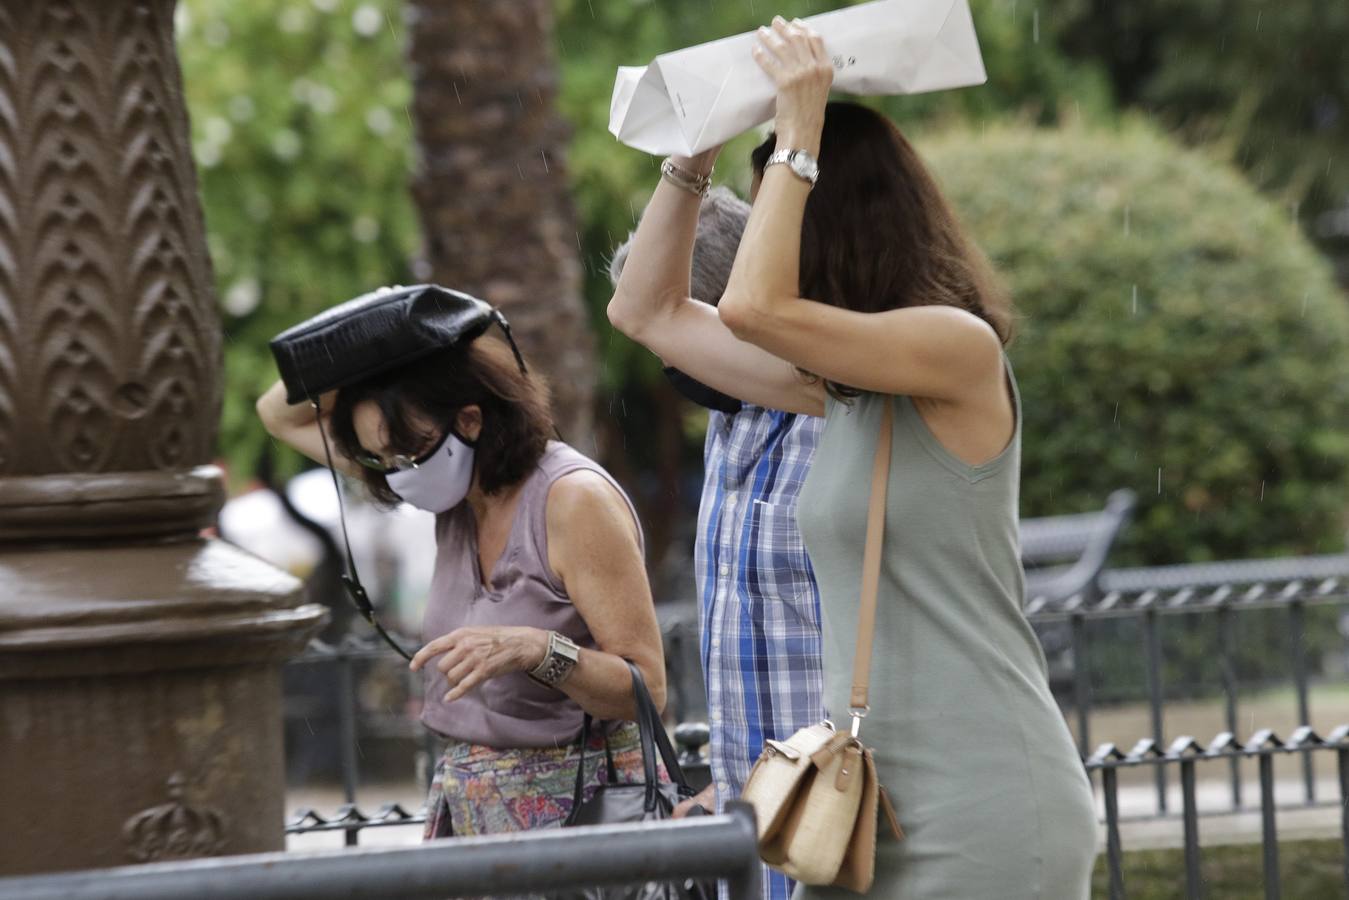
(759, 607)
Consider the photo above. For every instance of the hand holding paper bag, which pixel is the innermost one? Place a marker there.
(690, 100)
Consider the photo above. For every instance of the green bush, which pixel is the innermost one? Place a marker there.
(1178, 336)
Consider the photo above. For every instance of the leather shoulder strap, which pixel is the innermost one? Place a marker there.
(871, 562)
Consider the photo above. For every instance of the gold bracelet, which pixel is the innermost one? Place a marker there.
(692, 182)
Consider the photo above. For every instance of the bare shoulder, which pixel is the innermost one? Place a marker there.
(964, 344)
(961, 329)
(585, 502)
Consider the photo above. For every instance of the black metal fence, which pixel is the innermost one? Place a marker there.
(1153, 597)
(1187, 755)
(1223, 590)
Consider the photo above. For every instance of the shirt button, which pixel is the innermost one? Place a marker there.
(732, 500)
(723, 787)
(725, 569)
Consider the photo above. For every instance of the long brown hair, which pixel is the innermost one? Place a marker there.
(878, 234)
(516, 422)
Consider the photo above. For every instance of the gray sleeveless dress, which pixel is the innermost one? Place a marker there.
(989, 788)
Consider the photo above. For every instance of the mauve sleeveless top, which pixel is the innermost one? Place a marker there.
(510, 710)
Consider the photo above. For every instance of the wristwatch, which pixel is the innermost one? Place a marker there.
(802, 164)
(558, 661)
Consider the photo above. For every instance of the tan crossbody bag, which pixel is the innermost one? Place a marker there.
(816, 794)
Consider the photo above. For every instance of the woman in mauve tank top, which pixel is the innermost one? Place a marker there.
(539, 593)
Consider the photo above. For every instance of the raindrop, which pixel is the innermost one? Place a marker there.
(1127, 224)
(456, 93)
(544, 154)
(1135, 300)
(1035, 26)
(1305, 295)
(1159, 479)
(1116, 412)
(1262, 491)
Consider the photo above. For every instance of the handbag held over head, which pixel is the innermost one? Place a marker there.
(816, 794)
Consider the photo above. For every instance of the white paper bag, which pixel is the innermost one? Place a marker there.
(690, 100)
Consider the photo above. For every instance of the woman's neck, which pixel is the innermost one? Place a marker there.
(485, 506)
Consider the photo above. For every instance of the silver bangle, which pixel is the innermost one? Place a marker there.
(692, 182)
(558, 662)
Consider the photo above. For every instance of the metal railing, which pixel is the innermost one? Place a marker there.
(1151, 595)
(723, 847)
(342, 658)
(1224, 590)
(1187, 754)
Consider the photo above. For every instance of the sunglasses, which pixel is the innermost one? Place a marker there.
(400, 462)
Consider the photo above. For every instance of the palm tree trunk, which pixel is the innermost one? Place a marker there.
(491, 185)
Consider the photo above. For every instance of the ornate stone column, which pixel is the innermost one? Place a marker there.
(139, 662)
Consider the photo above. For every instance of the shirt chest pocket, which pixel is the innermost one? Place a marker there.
(775, 570)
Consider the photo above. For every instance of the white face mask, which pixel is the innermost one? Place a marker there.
(440, 482)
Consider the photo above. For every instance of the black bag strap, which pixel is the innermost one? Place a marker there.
(350, 580)
(646, 709)
(579, 790)
(654, 741)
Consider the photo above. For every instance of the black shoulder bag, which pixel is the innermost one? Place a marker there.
(614, 803)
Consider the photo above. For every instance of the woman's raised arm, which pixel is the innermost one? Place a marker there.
(651, 305)
(929, 351)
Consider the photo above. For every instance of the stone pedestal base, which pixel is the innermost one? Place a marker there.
(140, 703)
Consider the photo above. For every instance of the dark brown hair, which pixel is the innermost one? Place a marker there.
(516, 422)
(878, 234)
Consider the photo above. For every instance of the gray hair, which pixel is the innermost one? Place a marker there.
(721, 222)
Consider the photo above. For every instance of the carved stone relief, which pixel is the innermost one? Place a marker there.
(108, 338)
(174, 830)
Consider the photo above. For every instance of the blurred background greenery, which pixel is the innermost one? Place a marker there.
(1164, 184)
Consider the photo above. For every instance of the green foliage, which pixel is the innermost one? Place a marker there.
(1269, 82)
(1178, 337)
(302, 147)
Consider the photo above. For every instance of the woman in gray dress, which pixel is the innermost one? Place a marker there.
(854, 288)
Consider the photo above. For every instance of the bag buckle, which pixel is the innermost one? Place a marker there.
(858, 713)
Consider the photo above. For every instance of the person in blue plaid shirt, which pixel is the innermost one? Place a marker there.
(758, 604)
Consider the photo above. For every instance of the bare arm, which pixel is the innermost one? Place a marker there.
(296, 426)
(651, 305)
(593, 547)
(934, 352)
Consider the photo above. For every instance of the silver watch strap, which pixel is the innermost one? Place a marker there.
(808, 170)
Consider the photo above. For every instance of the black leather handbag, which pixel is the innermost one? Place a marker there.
(651, 799)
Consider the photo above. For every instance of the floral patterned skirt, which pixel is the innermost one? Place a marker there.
(484, 790)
